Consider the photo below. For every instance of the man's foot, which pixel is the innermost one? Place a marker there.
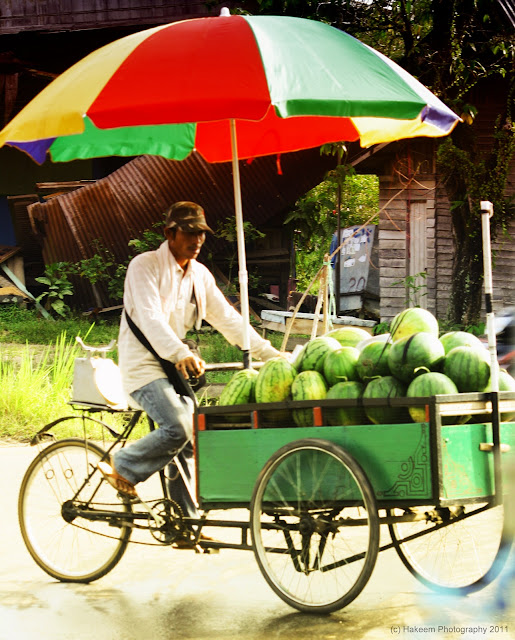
(118, 482)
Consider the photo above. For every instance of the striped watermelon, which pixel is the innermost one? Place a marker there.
(412, 355)
(273, 384)
(340, 365)
(382, 337)
(348, 336)
(453, 339)
(312, 356)
(346, 415)
(308, 385)
(239, 390)
(373, 361)
(385, 387)
(468, 368)
(411, 321)
(432, 384)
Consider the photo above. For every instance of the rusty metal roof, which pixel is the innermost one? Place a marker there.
(121, 206)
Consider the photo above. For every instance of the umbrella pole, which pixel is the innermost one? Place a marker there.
(487, 211)
(242, 262)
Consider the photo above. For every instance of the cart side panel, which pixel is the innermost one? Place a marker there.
(395, 457)
(468, 471)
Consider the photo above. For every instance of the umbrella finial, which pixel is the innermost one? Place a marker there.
(224, 12)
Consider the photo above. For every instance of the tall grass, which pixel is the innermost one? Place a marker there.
(36, 388)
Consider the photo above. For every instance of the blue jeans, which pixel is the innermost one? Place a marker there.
(169, 443)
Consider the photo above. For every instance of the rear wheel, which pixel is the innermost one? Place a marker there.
(314, 526)
(61, 482)
(455, 549)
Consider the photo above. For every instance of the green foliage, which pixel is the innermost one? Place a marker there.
(103, 267)
(95, 268)
(59, 286)
(415, 287)
(470, 177)
(449, 45)
(478, 329)
(150, 239)
(314, 219)
(226, 229)
(381, 327)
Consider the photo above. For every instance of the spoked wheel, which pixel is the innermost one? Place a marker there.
(314, 525)
(457, 550)
(66, 545)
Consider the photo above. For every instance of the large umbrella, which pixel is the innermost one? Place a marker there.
(231, 87)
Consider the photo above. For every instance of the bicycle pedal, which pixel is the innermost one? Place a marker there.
(131, 499)
(209, 550)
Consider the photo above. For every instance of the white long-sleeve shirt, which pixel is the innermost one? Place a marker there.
(158, 298)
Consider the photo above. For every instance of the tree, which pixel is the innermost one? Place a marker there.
(451, 46)
(313, 220)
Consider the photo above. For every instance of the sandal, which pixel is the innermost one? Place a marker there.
(118, 482)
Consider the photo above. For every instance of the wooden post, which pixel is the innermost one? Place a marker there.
(317, 312)
(322, 301)
(326, 276)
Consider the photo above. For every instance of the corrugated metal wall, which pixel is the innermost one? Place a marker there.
(133, 198)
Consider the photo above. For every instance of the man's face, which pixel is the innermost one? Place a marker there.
(185, 245)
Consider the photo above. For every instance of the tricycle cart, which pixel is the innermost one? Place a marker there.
(316, 496)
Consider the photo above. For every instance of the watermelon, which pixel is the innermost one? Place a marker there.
(412, 355)
(346, 415)
(383, 337)
(413, 320)
(506, 383)
(239, 390)
(432, 384)
(273, 384)
(385, 387)
(308, 385)
(348, 336)
(314, 352)
(459, 339)
(468, 368)
(340, 365)
(373, 361)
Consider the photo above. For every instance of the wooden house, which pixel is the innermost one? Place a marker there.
(415, 227)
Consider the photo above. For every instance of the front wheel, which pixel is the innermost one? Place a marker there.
(314, 525)
(61, 482)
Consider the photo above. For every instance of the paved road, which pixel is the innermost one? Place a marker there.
(160, 594)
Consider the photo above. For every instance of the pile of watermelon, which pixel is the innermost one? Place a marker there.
(347, 363)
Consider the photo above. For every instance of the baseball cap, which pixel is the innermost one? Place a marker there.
(187, 216)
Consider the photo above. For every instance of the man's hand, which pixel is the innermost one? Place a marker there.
(191, 366)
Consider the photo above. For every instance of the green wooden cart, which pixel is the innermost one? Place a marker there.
(317, 495)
